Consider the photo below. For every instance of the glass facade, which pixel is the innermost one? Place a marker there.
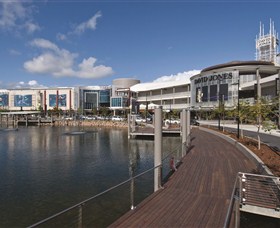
(116, 102)
(104, 97)
(90, 99)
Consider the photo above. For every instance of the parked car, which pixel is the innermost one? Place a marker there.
(172, 121)
(139, 119)
(117, 118)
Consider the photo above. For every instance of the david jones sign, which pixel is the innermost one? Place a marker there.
(214, 77)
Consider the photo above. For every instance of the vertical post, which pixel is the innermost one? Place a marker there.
(258, 93)
(132, 194)
(170, 112)
(26, 120)
(258, 84)
(223, 110)
(219, 114)
(45, 102)
(146, 111)
(158, 148)
(184, 131)
(238, 109)
(237, 214)
(188, 127)
(128, 121)
(14, 121)
(80, 216)
(278, 87)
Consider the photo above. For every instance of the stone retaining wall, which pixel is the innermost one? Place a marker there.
(92, 123)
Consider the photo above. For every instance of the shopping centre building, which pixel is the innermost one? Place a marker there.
(228, 82)
(222, 82)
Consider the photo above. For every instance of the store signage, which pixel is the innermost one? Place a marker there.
(214, 77)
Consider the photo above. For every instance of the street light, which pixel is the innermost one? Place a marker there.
(238, 108)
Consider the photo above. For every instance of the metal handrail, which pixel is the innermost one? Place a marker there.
(255, 188)
(231, 203)
(93, 197)
(241, 178)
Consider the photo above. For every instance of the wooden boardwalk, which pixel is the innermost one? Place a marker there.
(198, 193)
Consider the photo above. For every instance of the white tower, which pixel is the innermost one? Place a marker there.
(267, 45)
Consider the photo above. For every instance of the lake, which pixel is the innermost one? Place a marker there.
(44, 170)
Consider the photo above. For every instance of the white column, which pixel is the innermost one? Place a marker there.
(184, 131)
(158, 148)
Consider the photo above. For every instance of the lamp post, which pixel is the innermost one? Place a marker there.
(238, 108)
(277, 82)
(146, 112)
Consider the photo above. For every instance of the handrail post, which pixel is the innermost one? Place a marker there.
(132, 194)
(80, 216)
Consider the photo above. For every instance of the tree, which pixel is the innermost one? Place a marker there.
(275, 103)
(104, 111)
(242, 113)
(260, 114)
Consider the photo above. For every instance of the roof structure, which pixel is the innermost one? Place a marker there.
(237, 63)
(158, 85)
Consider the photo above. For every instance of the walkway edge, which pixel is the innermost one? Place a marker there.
(248, 153)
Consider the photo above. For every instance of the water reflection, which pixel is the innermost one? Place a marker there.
(43, 170)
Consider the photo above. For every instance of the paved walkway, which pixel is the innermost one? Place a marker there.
(270, 138)
(246, 127)
(198, 193)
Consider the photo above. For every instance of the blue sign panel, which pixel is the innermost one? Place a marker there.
(4, 100)
(61, 100)
(23, 101)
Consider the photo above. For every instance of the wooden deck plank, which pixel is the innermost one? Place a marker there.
(198, 194)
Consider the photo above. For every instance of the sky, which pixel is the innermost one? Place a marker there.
(87, 43)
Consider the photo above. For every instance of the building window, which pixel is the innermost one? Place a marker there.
(91, 100)
(116, 102)
(205, 93)
(213, 92)
(104, 96)
(224, 91)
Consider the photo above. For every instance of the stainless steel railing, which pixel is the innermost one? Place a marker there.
(115, 201)
(253, 193)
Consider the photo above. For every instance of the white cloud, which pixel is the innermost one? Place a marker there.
(31, 27)
(44, 44)
(14, 52)
(61, 36)
(87, 25)
(22, 84)
(88, 68)
(33, 83)
(178, 77)
(80, 28)
(61, 63)
(16, 15)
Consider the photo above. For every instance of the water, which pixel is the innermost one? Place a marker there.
(44, 170)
